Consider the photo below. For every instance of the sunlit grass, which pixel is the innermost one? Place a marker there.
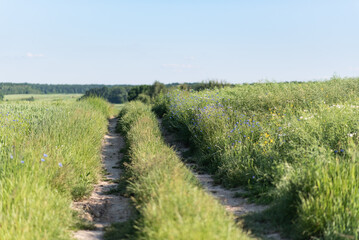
(49, 156)
(288, 143)
(170, 201)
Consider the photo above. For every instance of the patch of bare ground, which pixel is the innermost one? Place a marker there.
(103, 208)
(227, 197)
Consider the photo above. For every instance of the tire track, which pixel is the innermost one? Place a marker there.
(103, 208)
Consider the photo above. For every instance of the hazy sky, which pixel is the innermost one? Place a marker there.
(135, 42)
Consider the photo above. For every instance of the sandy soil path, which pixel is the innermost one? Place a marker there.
(237, 205)
(102, 208)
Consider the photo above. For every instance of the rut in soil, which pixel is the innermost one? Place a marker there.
(103, 208)
(227, 197)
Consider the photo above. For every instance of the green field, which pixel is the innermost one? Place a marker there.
(49, 156)
(292, 145)
(41, 97)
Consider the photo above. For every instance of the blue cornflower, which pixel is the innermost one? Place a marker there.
(335, 151)
(11, 156)
(45, 155)
(22, 161)
(60, 165)
(341, 150)
(253, 177)
(42, 160)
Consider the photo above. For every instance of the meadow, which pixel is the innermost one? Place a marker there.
(291, 145)
(41, 97)
(170, 201)
(49, 157)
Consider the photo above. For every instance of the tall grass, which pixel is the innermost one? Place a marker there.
(288, 142)
(49, 156)
(171, 203)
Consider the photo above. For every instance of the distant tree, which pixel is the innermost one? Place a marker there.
(211, 84)
(111, 94)
(156, 89)
(117, 95)
(137, 90)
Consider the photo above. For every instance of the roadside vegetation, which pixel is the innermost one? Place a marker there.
(49, 156)
(293, 145)
(170, 201)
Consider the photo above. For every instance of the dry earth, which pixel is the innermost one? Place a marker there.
(237, 205)
(102, 208)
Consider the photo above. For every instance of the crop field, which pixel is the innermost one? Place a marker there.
(293, 146)
(41, 97)
(49, 156)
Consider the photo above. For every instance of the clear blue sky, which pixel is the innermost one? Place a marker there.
(138, 42)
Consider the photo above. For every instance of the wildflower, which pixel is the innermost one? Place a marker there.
(11, 156)
(253, 177)
(45, 155)
(341, 150)
(60, 165)
(335, 151)
(42, 160)
(22, 161)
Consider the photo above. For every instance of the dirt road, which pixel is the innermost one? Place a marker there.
(102, 208)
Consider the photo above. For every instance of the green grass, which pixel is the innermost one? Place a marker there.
(41, 97)
(120, 231)
(49, 156)
(168, 197)
(290, 144)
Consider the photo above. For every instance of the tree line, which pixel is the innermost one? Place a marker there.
(143, 93)
(112, 93)
(30, 88)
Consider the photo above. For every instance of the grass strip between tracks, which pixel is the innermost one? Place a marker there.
(171, 203)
